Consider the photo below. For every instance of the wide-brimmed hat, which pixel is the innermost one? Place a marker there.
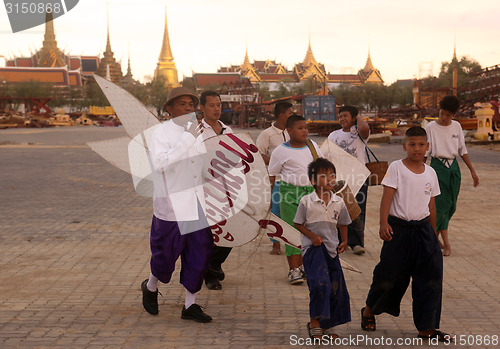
(178, 92)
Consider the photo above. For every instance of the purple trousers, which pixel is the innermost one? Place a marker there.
(167, 244)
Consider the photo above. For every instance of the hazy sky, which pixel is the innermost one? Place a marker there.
(206, 34)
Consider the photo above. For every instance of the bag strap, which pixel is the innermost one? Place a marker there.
(311, 147)
(367, 148)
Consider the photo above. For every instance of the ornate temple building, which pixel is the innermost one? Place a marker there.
(272, 73)
(369, 74)
(166, 66)
(109, 64)
(50, 64)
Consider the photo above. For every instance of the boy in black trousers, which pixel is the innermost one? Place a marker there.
(411, 248)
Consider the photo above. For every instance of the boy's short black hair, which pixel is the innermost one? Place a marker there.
(281, 107)
(351, 109)
(416, 131)
(205, 94)
(320, 164)
(450, 103)
(293, 119)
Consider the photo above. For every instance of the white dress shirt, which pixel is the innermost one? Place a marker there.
(177, 159)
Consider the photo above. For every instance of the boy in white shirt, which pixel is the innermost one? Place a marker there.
(411, 248)
(317, 218)
(352, 137)
(446, 142)
(267, 141)
(290, 161)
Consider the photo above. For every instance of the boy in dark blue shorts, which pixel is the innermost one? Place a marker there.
(317, 218)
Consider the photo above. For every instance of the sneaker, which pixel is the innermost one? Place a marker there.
(149, 299)
(195, 313)
(303, 272)
(358, 249)
(295, 276)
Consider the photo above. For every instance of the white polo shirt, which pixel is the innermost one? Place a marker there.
(322, 219)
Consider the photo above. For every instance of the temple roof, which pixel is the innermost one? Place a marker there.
(203, 80)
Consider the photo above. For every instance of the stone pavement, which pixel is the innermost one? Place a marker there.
(74, 248)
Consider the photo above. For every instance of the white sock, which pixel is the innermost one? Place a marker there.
(190, 299)
(152, 284)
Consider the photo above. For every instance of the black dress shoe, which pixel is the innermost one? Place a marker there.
(149, 299)
(219, 274)
(195, 313)
(213, 284)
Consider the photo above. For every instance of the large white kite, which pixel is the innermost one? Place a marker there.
(235, 179)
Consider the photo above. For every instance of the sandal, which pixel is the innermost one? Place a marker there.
(441, 336)
(315, 332)
(367, 322)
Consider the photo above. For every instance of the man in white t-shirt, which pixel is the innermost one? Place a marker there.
(410, 249)
(352, 137)
(267, 141)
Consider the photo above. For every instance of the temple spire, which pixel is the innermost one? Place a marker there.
(129, 70)
(50, 55)
(455, 48)
(166, 66)
(166, 51)
(108, 61)
(108, 42)
(246, 66)
(369, 65)
(309, 58)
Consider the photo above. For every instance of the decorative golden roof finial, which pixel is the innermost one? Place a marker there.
(369, 65)
(309, 58)
(166, 52)
(166, 66)
(50, 55)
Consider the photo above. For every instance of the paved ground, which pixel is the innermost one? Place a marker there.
(74, 250)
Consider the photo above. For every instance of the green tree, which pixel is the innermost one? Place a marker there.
(157, 93)
(263, 90)
(466, 69)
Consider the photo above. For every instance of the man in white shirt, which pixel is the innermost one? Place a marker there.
(267, 141)
(211, 107)
(179, 226)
